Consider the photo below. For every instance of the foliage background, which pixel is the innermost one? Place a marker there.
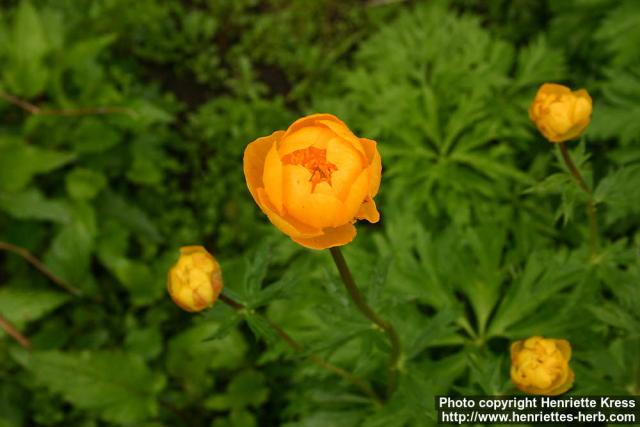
(482, 239)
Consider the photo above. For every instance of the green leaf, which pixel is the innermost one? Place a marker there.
(148, 161)
(246, 389)
(620, 192)
(26, 74)
(192, 356)
(129, 215)
(93, 135)
(147, 342)
(544, 276)
(20, 162)
(84, 184)
(22, 305)
(70, 253)
(261, 328)
(256, 271)
(11, 405)
(31, 204)
(89, 381)
(539, 63)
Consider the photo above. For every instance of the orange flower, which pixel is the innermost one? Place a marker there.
(541, 366)
(314, 180)
(559, 113)
(195, 281)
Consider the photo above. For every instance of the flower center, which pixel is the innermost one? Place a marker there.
(315, 160)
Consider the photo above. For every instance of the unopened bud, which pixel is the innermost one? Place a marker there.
(195, 281)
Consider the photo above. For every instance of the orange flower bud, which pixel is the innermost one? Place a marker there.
(559, 113)
(195, 281)
(541, 366)
(314, 180)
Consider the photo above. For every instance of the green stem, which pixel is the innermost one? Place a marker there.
(591, 204)
(369, 313)
(317, 360)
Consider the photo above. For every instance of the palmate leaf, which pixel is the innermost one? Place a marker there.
(89, 381)
(458, 99)
(619, 192)
(619, 33)
(617, 115)
(544, 276)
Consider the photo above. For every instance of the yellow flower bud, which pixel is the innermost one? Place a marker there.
(195, 281)
(541, 366)
(559, 113)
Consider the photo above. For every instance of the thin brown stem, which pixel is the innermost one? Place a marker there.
(14, 332)
(591, 203)
(86, 111)
(26, 255)
(369, 313)
(317, 360)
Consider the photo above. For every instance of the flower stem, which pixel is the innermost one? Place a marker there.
(315, 359)
(591, 204)
(369, 313)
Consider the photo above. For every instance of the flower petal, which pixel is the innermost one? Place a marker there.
(272, 177)
(565, 348)
(310, 120)
(357, 193)
(369, 211)
(304, 138)
(332, 237)
(253, 161)
(341, 130)
(317, 209)
(286, 224)
(554, 89)
(375, 164)
(349, 166)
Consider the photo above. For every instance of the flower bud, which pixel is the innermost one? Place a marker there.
(541, 366)
(559, 113)
(195, 281)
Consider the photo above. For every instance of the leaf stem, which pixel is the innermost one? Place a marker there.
(317, 360)
(591, 204)
(369, 313)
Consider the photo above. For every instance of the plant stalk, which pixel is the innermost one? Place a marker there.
(591, 204)
(12, 331)
(317, 360)
(27, 256)
(369, 313)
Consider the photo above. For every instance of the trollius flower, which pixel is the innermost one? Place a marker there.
(560, 114)
(541, 366)
(314, 180)
(195, 281)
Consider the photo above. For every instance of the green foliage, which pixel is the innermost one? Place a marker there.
(89, 382)
(122, 131)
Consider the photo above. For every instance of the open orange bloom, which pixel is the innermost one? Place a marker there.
(195, 281)
(559, 113)
(541, 366)
(314, 180)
